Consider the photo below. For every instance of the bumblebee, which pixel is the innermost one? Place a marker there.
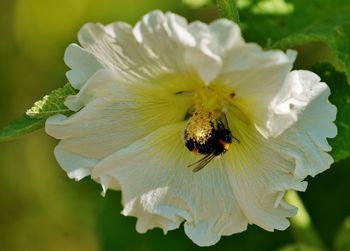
(207, 133)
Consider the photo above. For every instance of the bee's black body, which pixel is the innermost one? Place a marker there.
(218, 138)
(216, 143)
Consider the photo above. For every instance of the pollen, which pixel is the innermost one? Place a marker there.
(199, 126)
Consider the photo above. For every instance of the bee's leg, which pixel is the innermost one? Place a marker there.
(236, 139)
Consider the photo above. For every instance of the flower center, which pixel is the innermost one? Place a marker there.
(208, 99)
(207, 131)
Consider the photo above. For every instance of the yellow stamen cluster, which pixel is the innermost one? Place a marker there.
(199, 126)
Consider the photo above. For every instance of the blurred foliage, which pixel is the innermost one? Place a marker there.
(228, 9)
(41, 209)
(302, 227)
(342, 241)
(197, 3)
(325, 21)
(273, 7)
(340, 97)
(299, 247)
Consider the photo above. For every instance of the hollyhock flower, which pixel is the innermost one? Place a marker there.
(192, 124)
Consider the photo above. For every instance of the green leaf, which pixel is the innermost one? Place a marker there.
(35, 117)
(20, 127)
(228, 9)
(285, 25)
(299, 247)
(340, 96)
(52, 104)
(342, 239)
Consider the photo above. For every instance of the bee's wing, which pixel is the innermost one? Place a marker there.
(224, 121)
(202, 162)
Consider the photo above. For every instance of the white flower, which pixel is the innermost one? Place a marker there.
(139, 91)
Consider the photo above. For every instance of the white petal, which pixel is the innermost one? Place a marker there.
(170, 39)
(103, 84)
(255, 82)
(113, 47)
(214, 40)
(77, 167)
(306, 140)
(166, 38)
(162, 191)
(107, 183)
(207, 62)
(252, 56)
(218, 37)
(226, 35)
(263, 169)
(207, 65)
(260, 174)
(82, 63)
(114, 116)
(159, 44)
(299, 90)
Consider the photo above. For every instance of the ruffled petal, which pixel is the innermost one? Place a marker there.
(114, 115)
(214, 40)
(218, 37)
(83, 64)
(76, 166)
(161, 191)
(299, 91)
(112, 47)
(306, 100)
(263, 169)
(159, 44)
(254, 77)
(115, 48)
(168, 37)
(259, 175)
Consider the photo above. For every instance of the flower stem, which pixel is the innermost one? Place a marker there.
(302, 228)
(228, 9)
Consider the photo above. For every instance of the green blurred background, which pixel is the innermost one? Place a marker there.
(40, 208)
